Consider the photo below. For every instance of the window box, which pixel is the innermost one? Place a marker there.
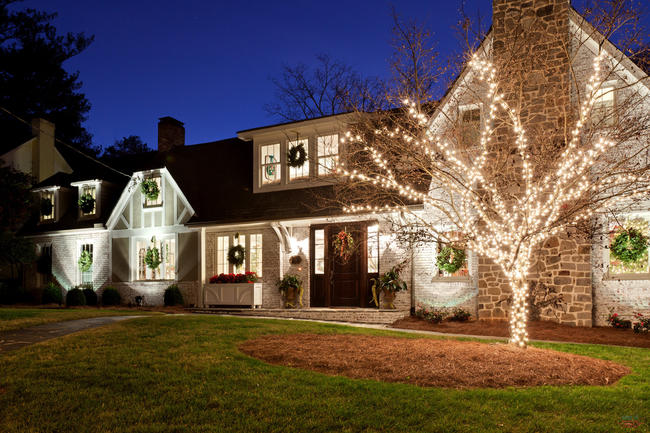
(244, 294)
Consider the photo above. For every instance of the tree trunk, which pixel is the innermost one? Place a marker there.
(519, 310)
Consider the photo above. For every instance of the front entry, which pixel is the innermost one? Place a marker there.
(335, 282)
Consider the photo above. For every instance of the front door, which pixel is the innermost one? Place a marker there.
(337, 282)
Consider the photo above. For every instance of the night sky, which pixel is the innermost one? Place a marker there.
(208, 63)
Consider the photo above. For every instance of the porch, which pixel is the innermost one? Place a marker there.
(354, 315)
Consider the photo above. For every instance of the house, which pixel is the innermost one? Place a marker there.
(240, 191)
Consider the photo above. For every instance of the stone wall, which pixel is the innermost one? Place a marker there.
(153, 292)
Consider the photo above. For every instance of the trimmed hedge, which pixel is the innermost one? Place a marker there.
(110, 296)
(52, 294)
(173, 296)
(91, 296)
(75, 297)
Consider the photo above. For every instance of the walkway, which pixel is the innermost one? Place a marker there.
(14, 340)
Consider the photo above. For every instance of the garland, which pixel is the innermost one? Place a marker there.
(85, 261)
(46, 207)
(343, 245)
(297, 156)
(86, 203)
(153, 257)
(450, 259)
(236, 255)
(629, 245)
(149, 188)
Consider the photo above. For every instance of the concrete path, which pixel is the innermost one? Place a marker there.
(14, 340)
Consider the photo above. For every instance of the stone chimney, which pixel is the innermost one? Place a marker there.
(171, 133)
(43, 152)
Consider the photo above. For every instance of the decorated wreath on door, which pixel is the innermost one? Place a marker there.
(343, 246)
(629, 245)
(236, 255)
(297, 156)
(450, 259)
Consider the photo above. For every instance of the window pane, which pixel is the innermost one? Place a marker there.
(141, 247)
(92, 191)
(602, 111)
(169, 256)
(241, 240)
(373, 249)
(157, 201)
(270, 164)
(302, 171)
(640, 266)
(87, 276)
(463, 271)
(328, 150)
(470, 126)
(319, 251)
(48, 196)
(222, 255)
(255, 252)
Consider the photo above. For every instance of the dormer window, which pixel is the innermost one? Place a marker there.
(271, 170)
(328, 153)
(153, 195)
(470, 126)
(48, 205)
(603, 110)
(301, 172)
(88, 194)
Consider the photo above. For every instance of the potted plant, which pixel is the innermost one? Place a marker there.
(388, 284)
(290, 286)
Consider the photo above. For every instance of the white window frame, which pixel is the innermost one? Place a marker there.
(55, 204)
(135, 257)
(291, 176)
(607, 256)
(278, 164)
(97, 184)
(462, 109)
(442, 275)
(161, 196)
(377, 246)
(606, 88)
(333, 156)
(246, 267)
(79, 274)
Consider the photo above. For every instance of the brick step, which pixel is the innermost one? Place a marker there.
(353, 315)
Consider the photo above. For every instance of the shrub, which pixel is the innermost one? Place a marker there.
(75, 297)
(460, 315)
(11, 292)
(90, 294)
(616, 321)
(110, 296)
(430, 314)
(52, 294)
(173, 296)
(643, 324)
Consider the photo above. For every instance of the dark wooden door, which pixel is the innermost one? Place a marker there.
(347, 278)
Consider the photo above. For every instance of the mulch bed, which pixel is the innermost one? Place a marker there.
(429, 362)
(536, 330)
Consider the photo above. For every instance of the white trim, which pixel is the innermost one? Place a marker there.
(68, 232)
(85, 182)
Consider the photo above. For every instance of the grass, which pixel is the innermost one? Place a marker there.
(184, 373)
(17, 318)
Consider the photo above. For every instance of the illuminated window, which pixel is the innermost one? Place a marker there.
(222, 255)
(87, 275)
(302, 171)
(618, 267)
(166, 248)
(158, 201)
(239, 240)
(270, 164)
(470, 124)
(48, 205)
(373, 249)
(319, 251)
(602, 112)
(463, 271)
(328, 153)
(92, 191)
(255, 253)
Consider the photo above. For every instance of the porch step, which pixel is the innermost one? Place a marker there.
(353, 315)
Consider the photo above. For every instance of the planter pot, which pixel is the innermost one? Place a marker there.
(291, 298)
(245, 294)
(387, 300)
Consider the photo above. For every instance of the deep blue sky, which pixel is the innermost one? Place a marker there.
(207, 63)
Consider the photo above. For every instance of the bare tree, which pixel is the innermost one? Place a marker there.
(525, 146)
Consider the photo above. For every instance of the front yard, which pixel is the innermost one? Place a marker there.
(186, 373)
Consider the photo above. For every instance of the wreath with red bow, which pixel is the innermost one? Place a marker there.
(343, 246)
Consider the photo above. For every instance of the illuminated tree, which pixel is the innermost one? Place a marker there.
(504, 185)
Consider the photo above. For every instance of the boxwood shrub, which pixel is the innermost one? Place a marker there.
(52, 294)
(173, 296)
(75, 297)
(91, 295)
(110, 296)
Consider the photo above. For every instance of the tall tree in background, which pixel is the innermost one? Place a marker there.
(33, 82)
(131, 145)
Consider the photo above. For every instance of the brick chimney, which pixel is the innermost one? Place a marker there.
(171, 133)
(43, 153)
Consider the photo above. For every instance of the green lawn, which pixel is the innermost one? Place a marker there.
(16, 318)
(184, 373)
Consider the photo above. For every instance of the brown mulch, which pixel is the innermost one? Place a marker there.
(536, 331)
(429, 362)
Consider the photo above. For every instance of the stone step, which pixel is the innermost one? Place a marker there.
(353, 315)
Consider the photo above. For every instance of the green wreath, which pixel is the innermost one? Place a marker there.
(153, 258)
(450, 259)
(236, 255)
(149, 188)
(46, 207)
(85, 261)
(297, 156)
(86, 203)
(629, 245)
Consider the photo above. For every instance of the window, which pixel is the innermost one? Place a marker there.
(239, 240)
(87, 274)
(270, 164)
(255, 253)
(222, 255)
(463, 271)
(470, 127)
(166, 248)
(602, 112)
(48, 205)
(328, 153)
(301, 172)
(319, 251)
(158, 201)
(373, 249)
(640, 267)
(92, 191)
